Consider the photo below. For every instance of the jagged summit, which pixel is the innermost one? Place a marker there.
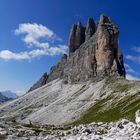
(93, 54)
(77, 37)
(90, 28)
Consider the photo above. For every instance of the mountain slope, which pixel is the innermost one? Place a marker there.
(57, 103)
(86, 85)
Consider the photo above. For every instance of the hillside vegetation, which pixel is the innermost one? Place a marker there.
(123, 102)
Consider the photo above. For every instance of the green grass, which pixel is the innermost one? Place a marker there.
(123, 109)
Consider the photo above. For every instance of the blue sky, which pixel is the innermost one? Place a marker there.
(34, 34)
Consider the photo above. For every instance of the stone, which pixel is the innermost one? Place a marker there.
(40, 83)
(93, 54)
(90, 29)
(88, 131)
(58, 70)
(138, 117)
(107, 51)
(77, 37)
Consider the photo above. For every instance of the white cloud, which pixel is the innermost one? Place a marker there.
(8, 55)
(33, 34)
(131, 77)
(19, 93)
(129, 69)
(133, 58)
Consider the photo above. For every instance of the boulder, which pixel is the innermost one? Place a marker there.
(138, 117)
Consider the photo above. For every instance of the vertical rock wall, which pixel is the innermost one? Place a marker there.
(93, 53)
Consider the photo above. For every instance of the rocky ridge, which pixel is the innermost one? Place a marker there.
(93, 53)
(3, 98)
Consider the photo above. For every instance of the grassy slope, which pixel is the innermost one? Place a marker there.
(124, 108)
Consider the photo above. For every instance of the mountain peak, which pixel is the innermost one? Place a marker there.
(93, 54)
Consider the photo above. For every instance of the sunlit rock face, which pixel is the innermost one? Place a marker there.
(108, 56)
(93, 53)
(98, 56)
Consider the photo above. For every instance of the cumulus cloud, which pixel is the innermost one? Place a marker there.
(35, 30)
(37, 37)
(131, 77)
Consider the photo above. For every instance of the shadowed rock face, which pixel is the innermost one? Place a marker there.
(93, 53)
(42, 81)
(90, 29)
(77, 37)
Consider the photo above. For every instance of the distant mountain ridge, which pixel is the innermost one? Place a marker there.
(2, 98)
(9, 94)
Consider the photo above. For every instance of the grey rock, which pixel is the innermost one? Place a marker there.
(77, 37)
(96, 58)
(40, 83)
(57, 71)
(90, 28)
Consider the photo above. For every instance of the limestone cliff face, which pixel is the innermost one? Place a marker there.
(93, 53)
(90, 29)
(57, 71)
(77, 37)
(107, 51)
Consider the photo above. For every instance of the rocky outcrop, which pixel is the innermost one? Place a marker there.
(93, 53)
(108, 54)
(41, 82)
(90, 29)
(98, 57)
(77, 37)
(58, 70)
